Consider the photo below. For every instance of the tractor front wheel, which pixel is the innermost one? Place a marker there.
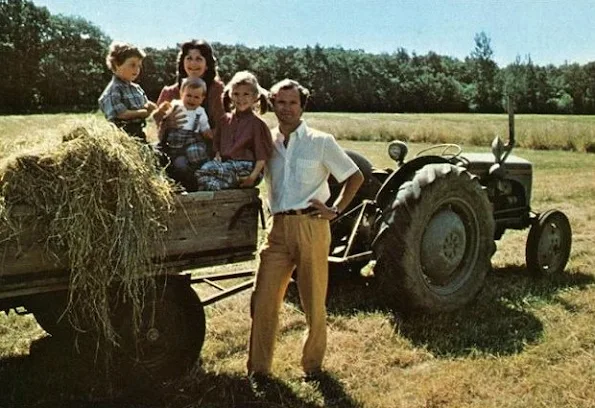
(548, 244)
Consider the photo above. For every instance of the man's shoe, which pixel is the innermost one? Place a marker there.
(313, 376)
(260, 382)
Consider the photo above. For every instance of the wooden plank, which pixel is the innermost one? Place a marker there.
(207, 221)
(203, 223)
(28, 256)
(9, 293)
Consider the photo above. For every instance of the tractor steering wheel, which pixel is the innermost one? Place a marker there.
(445, 148)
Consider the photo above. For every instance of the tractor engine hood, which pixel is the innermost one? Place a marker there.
(515, 169)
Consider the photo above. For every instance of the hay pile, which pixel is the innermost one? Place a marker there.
(105, 205)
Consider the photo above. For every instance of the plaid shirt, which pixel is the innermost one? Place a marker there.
(119, 96)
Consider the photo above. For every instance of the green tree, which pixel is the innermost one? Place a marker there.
(23, 28)
(560, 101)
(589, 70)
(72, 69)
(319, 77)
(576, 84)
(485, 95)
(159, 69)
(58, 63)
(264, 67)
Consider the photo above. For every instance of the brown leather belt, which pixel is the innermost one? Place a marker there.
(297, 212)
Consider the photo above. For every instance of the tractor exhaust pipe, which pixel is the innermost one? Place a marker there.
(511, 141)
(499, 149)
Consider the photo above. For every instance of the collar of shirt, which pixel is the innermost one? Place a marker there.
(279, 138)
(243, 114)
(239, 118)
(119, 80)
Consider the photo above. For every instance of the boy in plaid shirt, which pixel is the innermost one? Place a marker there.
(124, 102)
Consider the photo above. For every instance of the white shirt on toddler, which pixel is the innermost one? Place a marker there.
(196, 119)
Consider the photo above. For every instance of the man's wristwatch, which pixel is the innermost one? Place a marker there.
(335, 209)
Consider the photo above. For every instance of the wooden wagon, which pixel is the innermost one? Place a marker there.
(206, 229)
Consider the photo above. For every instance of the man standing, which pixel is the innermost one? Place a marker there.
(299, 236)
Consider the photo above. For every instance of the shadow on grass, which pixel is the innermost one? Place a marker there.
(500, 321)
(348, 293)
(56, 376)
(211, 390)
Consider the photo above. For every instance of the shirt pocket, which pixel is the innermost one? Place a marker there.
(308, 171)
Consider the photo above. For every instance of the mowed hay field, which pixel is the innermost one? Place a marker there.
(524, 342)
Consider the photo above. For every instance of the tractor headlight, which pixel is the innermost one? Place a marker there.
(397, 151)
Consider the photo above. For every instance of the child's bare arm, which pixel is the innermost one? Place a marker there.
(150, 106)
(129, 114)
(251, 179)
(142, 113)
(161, 111)
(207, 134)
(258, 168)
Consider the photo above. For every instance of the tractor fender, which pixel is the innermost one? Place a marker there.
(406, 172)
(370, 186)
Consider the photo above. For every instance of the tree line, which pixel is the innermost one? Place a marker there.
(54, 63)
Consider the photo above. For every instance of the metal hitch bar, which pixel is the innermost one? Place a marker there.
(224, 292)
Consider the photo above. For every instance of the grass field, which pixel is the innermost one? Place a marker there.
(524, 342)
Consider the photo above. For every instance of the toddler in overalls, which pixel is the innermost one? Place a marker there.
(186, 146)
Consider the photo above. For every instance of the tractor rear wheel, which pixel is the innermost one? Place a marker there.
(435, 242)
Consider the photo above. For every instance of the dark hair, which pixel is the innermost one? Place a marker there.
(245, 78)
(290, 84)
(119, 52)
(206, 51)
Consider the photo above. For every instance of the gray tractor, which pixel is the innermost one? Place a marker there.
(430, 224)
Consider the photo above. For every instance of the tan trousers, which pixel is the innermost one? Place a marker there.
(298, 241)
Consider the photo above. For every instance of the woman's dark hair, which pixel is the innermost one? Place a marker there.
(206, 51)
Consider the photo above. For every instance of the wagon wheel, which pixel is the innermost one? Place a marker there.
(50, 312)
(436, 240)
(548, 244)
(171, 333)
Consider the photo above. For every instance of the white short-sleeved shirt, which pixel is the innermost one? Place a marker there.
(298, 173)
(196, 119)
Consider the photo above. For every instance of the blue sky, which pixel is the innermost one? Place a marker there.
(550, 31)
